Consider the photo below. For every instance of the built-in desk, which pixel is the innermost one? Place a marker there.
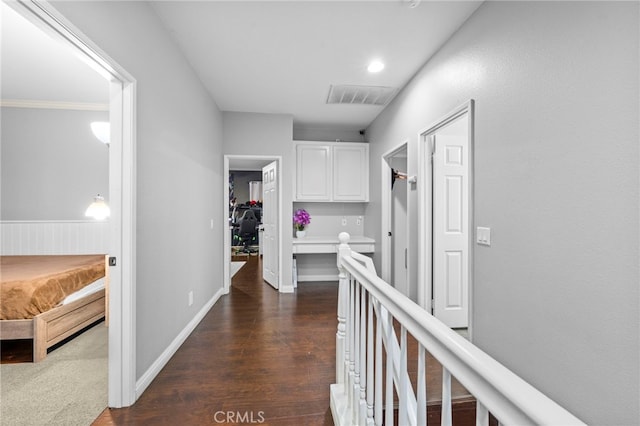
(326, 269)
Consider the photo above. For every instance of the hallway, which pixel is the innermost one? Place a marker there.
(262, 357)
(257, 357)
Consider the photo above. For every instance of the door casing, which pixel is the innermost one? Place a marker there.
(264, 159)
(387, 217)
(425, 197)
(122, 173)
(386, 208)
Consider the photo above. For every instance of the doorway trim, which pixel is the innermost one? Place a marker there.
(122, 176)
(425, 217)
(226, 282)
(386, 214)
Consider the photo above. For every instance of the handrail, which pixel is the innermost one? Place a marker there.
(365, 260)
(504, 394)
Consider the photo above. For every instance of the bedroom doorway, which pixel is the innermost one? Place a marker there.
(121, 375)
(270, 227)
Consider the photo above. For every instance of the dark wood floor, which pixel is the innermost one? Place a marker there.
(258, 357)
(257, 352)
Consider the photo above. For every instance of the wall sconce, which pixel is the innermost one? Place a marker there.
(99, 210)
(102, 131)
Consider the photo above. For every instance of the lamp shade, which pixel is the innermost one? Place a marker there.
(98, 210)
(102, 131)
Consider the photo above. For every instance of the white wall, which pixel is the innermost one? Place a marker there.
(556, 179)
(326, 221)
(54, 237)
(267, 135)
(328, 134)
(52, 164)
(179, 171)
(241, 184)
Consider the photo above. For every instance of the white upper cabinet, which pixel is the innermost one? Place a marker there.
(351, 172)
(313, 172)
(332, 171)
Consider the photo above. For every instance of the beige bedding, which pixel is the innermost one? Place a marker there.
(31, 285)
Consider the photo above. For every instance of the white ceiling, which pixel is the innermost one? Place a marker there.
(259, 56)
(248, 163)
(36, 67)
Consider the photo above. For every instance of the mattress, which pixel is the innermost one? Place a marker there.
(31, 285)
(94, 287)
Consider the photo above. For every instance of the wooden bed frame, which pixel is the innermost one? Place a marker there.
(55, 325)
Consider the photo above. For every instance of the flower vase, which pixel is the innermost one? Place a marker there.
(300, 234)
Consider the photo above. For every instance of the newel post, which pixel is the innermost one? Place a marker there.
(343, 295)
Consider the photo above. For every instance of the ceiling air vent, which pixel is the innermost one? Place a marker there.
(360, 95)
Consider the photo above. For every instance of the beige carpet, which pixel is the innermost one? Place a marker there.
(68, 388)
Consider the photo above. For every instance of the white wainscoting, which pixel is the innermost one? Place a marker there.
(53, 237)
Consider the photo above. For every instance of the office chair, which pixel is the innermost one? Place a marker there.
(248, 230)
(257, 211)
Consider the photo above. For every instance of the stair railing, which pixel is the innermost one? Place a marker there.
(368, 307)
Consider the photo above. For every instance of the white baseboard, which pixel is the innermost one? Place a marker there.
(286, 289)
(151, 373)
(323, 277)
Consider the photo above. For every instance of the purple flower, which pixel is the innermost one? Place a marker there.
(301, 219)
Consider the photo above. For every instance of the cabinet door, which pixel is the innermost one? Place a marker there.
(351, 172)
(313, 172)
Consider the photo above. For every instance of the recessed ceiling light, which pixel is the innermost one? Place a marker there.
(375, 66)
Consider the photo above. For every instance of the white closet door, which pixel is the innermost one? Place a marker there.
(450, 225)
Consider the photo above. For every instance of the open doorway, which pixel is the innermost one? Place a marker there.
(121, 333)
(395, 263)
(446, 219)
(253, 226)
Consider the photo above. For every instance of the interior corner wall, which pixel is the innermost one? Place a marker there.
(178, 171)
(267, 135)
(556, 89)
(52, 164)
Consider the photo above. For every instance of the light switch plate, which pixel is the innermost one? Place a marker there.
(483, 236)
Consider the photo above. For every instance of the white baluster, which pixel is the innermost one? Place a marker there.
(356, 324)
(352, 361)
(363, 355)
(370, 360)
(446, 418)
(342, 338)
(421, 405)
(482, 414)
(402, 407)
(341, 348)
(389, 376)
(378, 398)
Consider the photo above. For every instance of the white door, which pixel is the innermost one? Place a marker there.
(451, 173)
(270, 224)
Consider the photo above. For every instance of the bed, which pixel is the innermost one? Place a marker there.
(49, 298)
